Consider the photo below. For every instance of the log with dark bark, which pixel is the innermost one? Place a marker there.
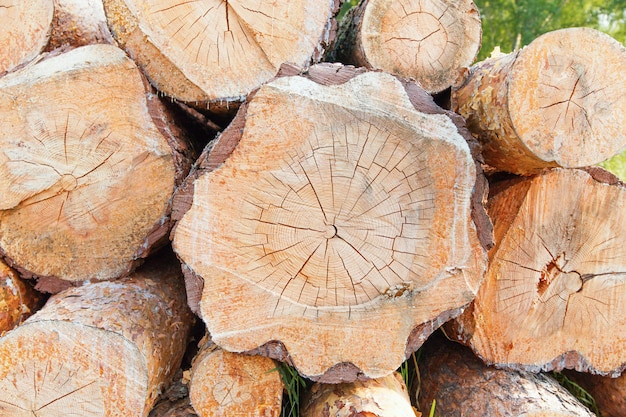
(89, 161)
(225, 384)
(103, 349)
(381, 397)
(340, 226)
(24, 29)
(213, 53)
(554, 293)
(462, 385)
(18, 299)
(558, 102)
(431, 42)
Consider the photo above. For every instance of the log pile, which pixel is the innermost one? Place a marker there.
(338, 219)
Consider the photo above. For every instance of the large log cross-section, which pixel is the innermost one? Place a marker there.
(340, 223)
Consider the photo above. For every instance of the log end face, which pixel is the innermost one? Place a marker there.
(337, 228)
(559, 262)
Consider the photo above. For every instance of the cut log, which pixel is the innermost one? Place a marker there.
(18, 300)
(215, 52)
(225, 384)
(78, 23)
(462, 385)
(381, 397)
(24, 29)
(86, 179)
(553, 295)
(431, 42)
(608, 393)
(102, 349)
(557, 102)
(340, 226)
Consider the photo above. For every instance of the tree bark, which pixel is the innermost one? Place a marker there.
(553, 295)
(225, 384)
(341, 207)
(89, 161)
(24, 30)
(18, 300)
(214, 53)
(103, 349)
(431, 42)
(78, 23)
(556, 102)
(608, 393)
(462, 385)
(381, 397)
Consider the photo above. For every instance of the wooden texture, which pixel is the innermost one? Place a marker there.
(557, 102)
(18, 300)
(553, 295)
(429, 41)
(225, 384)
(86, 178)
(24, 29)
(381, 397)
(609, 393)
(103, 349)
(340, 226)
(78, 23)
(214, 52)
(462, 385)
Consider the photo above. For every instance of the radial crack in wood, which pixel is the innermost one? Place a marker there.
(557, 274)
(88, 166)
(219, 50)
(104, 349)
(25, 29)
(341, 208)
(557, 102)
(429, 41)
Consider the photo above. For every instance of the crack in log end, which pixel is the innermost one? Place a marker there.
(341, 225)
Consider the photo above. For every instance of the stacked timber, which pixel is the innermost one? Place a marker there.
(334, 224)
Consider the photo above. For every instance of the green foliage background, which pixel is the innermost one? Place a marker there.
(511, 24)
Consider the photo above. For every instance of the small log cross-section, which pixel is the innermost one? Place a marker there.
(219, 50)
(88, 166)
(340, 223)
(461, 385)
(555, 291)
(106, 349)
(429, 41)
(226, 384)
(560, 101)
(24, 29)
(381, 397)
